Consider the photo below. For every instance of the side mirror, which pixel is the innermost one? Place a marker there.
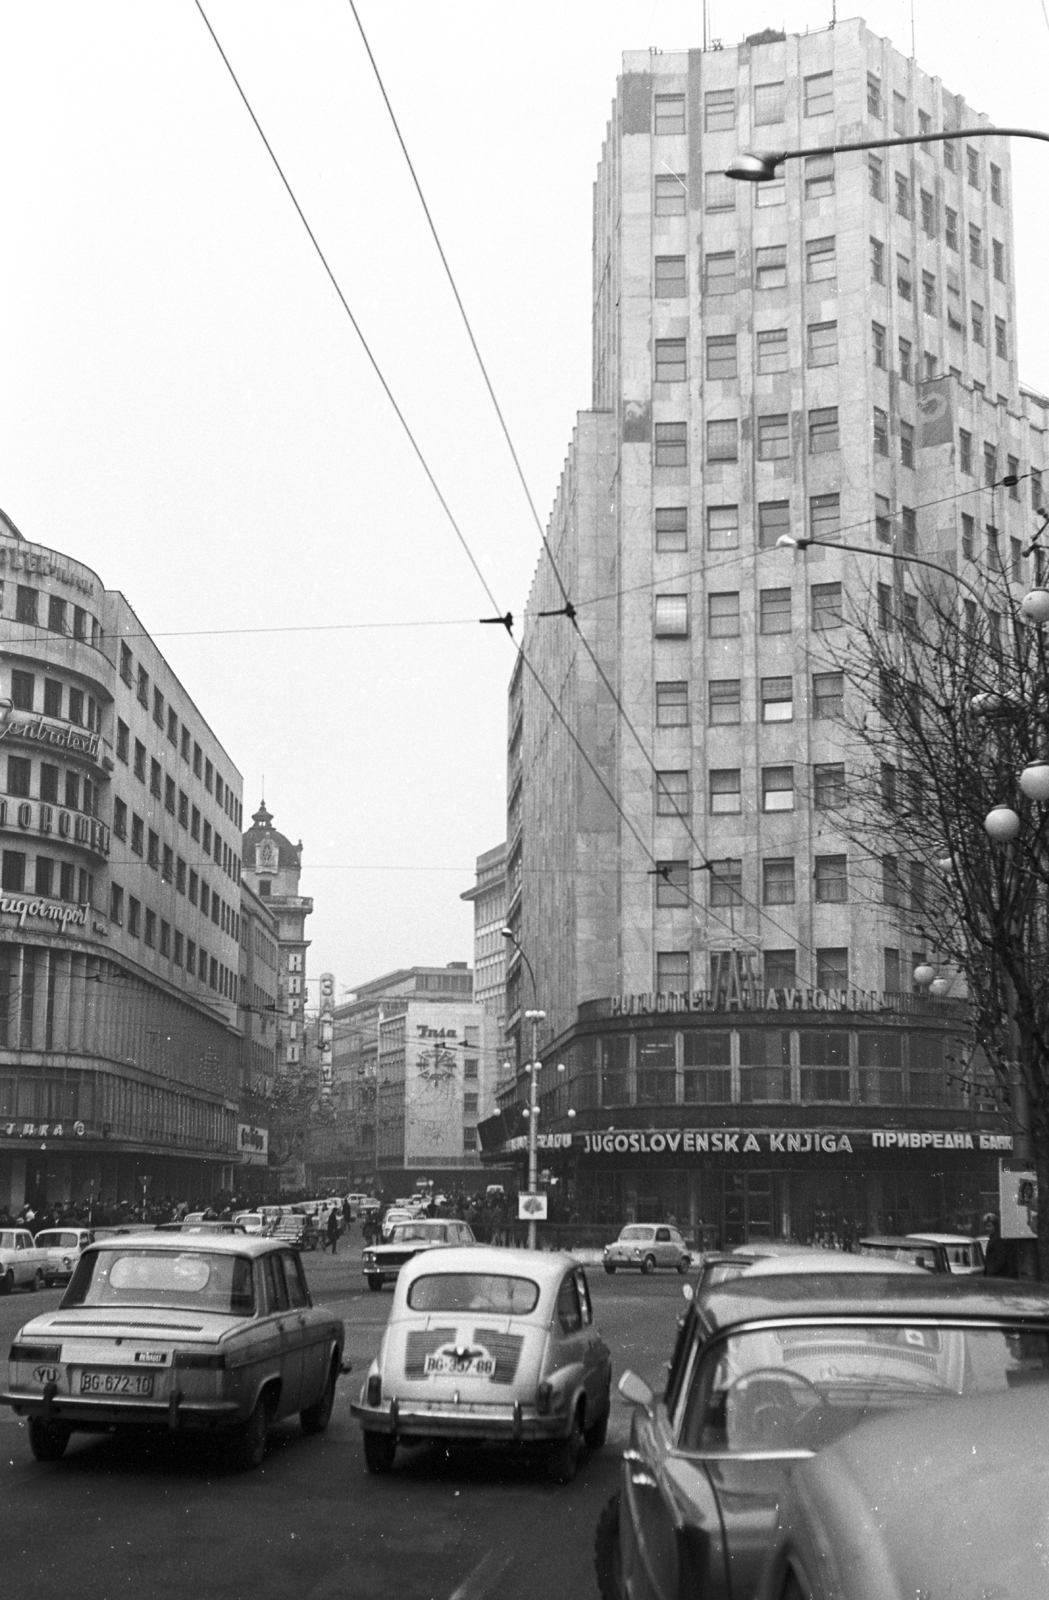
(635, 1390)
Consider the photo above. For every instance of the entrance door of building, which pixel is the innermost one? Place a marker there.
(748, 1207)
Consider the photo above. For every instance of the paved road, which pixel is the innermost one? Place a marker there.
(162, 1520)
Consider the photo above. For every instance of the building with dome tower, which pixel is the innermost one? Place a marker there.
(271, 868)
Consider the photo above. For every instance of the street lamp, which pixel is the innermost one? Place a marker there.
(534, 1016)
(760, 166)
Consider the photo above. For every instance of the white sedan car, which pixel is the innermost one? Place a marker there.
(648, 1245)
(21, 1263)
(63, 1247)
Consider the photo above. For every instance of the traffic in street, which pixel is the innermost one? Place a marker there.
(162, 1515)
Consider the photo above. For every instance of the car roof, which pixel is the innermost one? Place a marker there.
(240, 1244)
(893, 1239)
(544, 1266)
(753, 1297)
(812, 1260)
(942, 1238)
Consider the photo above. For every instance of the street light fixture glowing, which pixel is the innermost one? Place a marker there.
(756, 166)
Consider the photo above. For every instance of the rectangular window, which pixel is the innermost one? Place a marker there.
(724, 702)
(26, 605)
(671, 278)
(972, 167)
(722, 527)
(891, 886)
(72, 791)
(724, 791)
(722, 440)
(905, 363)
(819, 177)
(671, 529)
(772, 353)
(167, 869)
(774, 437)
(672, 887)
(721, 356)
(826, 607)
(198, 756)
(671, 617)
(770, 267)
(125, 664)
(169, 795)
(825, 516)
(888, 785)
(882, 519)
(49, 787)
(119, 814)
(56, 614)
(968, 536)
(774, 611)
(194, 887)
(819, 94)
(134, 916)
(909, 527)
(903, 195)
(673, 794)
(928, 215)
(884, 599)
(180, 875)
(723, 615)
(828, 694)
(671, 365)
(154, 778)
(1037, 495)
(672, 704)
(158, 708)
(906, 444)
(140, 761)
(925, 127)
(116, 904)
(150, 933)
(996, 184)
(823, 430)
(671, 444)
(990, 465)
(777, 788)
(123, 733)
(1000, 347)
(719, 274)
(977, 322)
(828, 785)
(823, 344)
(138, 834)
(899, 113)
(777, 882)
(44, 876)
(194, 823)
(768, 103)
(19, 774)
(719, 110)
(12, 872)
(673, 971)
(773, 521)
(975, 245)
(832, 971)
(877, 261)
(821, 262)
(726, 882)
(76, 707)
(878, 344)
(771, 193)
(832, 880)
(671, 198)
(142, 692)
(904, 281)
(172, 728)
(719, 192)
(929, 294)
(873, 95)
(153, 851)
(950, 226)
(998, 259)
(777, 699)
(23, 689)
(1016, 566)
(965, 451)
(670, 113)
(876, 177)
(881, 431)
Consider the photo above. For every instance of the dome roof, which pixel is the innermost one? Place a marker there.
(288, 855)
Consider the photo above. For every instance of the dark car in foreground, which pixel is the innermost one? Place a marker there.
(180, 1332)
(901, 1508)
(769, 1370)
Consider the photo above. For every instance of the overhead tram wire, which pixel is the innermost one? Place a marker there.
(505, 620)
(567, 609)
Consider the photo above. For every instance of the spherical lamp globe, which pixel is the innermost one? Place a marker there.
(924, 975)
(1001, 824)
(1034, 780)
(939, 987)
(1035, 606)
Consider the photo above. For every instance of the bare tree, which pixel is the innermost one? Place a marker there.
(950, 704)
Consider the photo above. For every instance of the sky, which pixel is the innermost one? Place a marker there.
(186, 407)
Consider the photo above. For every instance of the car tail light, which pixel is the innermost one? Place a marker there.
(35, 1352)
(374, 1390)
(201, 1359)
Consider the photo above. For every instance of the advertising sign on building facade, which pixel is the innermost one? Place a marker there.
(253, 1144)
(327, 1023)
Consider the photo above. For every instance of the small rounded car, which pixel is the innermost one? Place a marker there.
(648, 1245)
(489, 1346)
(63, 1247)
(384, 1261)
(925, 1252)
(965, 1254)
(200, 1331)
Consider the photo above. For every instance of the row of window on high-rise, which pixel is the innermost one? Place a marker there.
(58, 787)
(672, 612)
(70, 705)
(49, 878)
(118, 1105)
(156, 933)
(175, 800)
(677, 970)
(60, 617)
(775, 700)
(772, 437)
(887, 880)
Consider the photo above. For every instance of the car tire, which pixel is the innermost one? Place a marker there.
(379, 1452)
(610, 1267)
(563, 1455)
(648, 1265)
(684, 1264)
(7, 1282)
(608, 1561)
(595, 1436)
(38, 1281)
(48, 1440)
(248, 1442)
(315, 1418)
(375, 1281)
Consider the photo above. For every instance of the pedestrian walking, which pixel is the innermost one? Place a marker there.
(332, 1229)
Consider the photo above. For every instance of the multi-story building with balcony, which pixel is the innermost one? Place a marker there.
(727, 981)
(120, 822)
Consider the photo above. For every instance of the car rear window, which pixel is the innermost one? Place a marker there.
(57, 1241)
(474, 1291)
(188, 1278)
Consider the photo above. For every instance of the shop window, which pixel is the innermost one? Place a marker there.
(764, 1061)
(613, 1067)
(656, 1075)
(707, 1075)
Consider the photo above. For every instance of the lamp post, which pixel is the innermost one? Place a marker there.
(535, 1017)
(760, 166)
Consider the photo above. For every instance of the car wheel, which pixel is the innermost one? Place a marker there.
(7, 1282)
(608, 1564)
(610, 1267)
(597, 1432)
(375, 1280)
(684, 1264)
(48, 1440)
(648, 1265)
(316, 1418)
(379, 1452)
(563, 1455)
(248, 1443)
(38, 1281)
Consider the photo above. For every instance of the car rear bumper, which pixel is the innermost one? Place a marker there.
(496, 1424)
(172, 1413)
